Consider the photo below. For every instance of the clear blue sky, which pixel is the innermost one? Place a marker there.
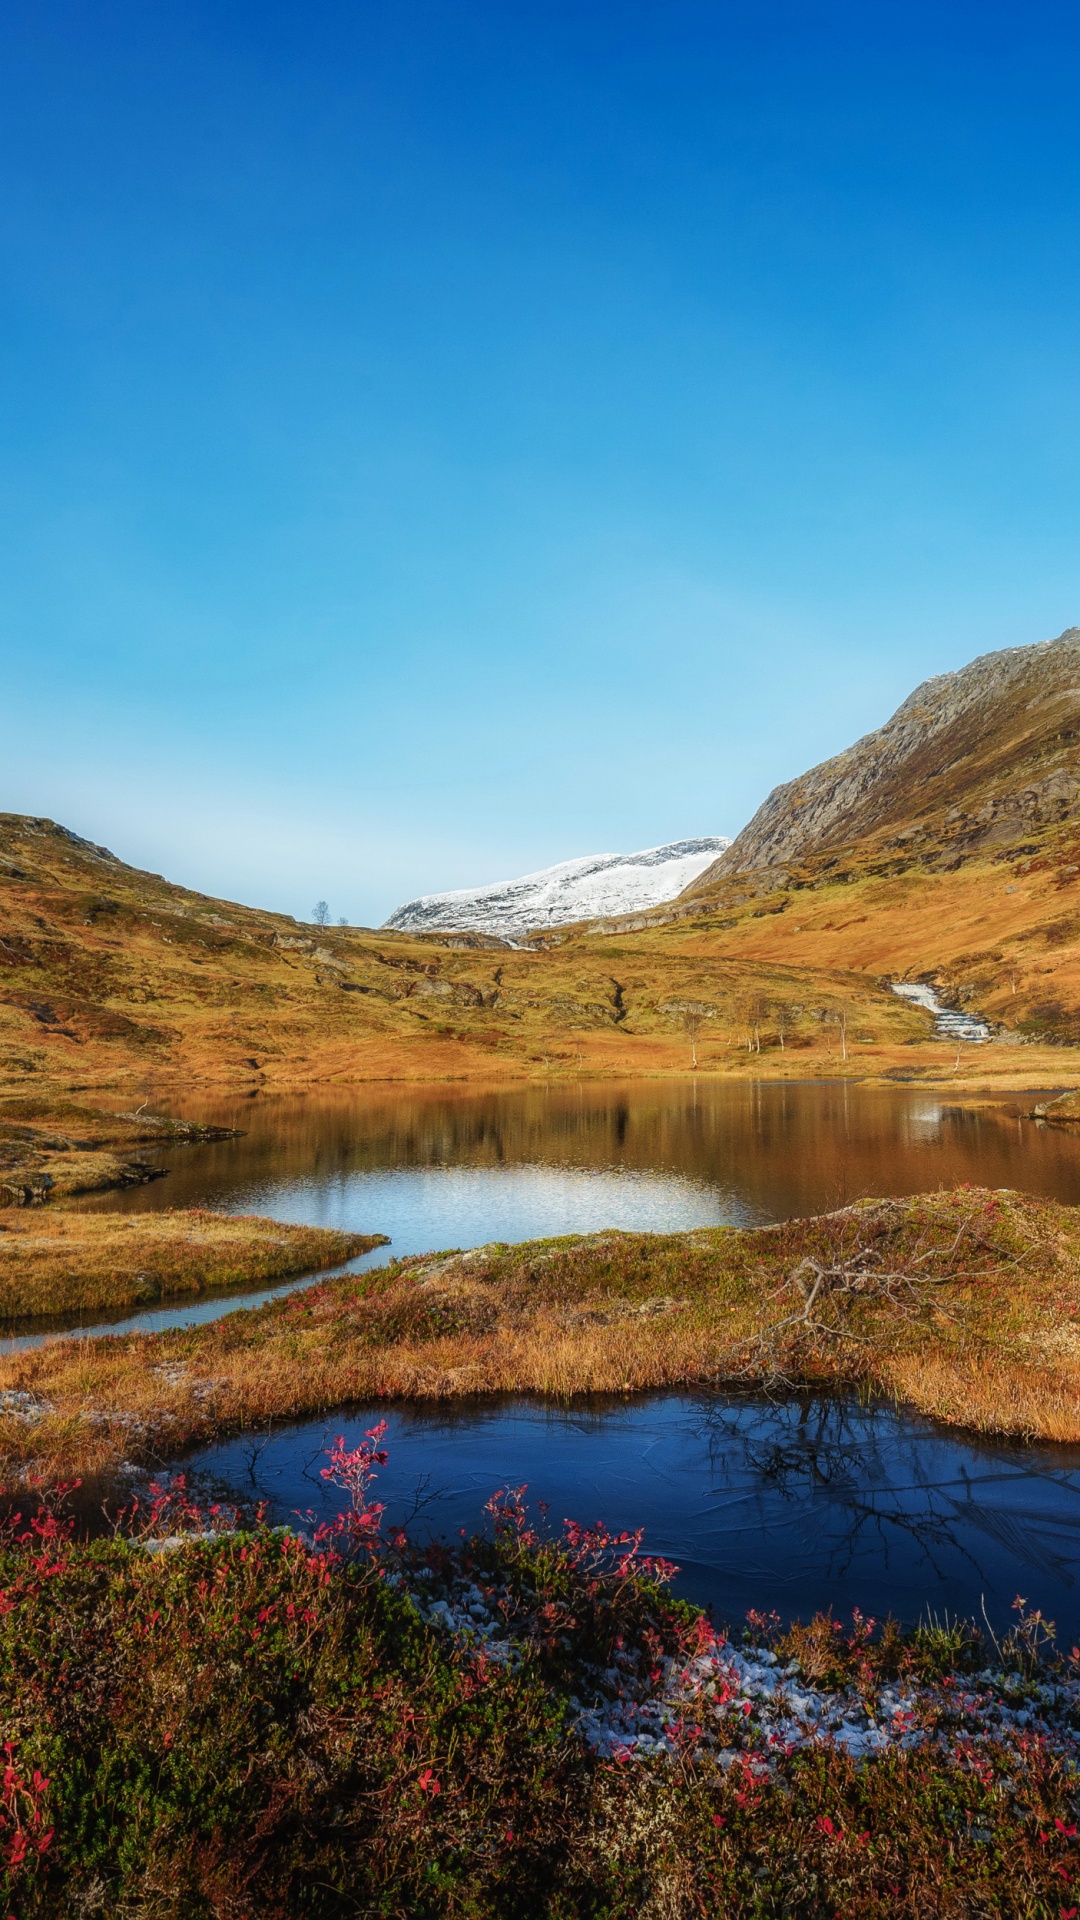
(441, 439)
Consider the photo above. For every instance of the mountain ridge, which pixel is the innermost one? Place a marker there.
(591, 886)
(971, 757)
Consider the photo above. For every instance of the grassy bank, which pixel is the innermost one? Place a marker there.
(519, 1729)
(52, 1262)
(51, 1148)
(965, 1305)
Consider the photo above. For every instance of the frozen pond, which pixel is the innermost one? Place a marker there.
(811, 1502)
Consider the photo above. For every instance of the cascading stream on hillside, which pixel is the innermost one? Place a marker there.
(950, 1022)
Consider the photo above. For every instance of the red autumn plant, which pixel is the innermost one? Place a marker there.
(410, 1771)
(353, 1469)
(24, 1836)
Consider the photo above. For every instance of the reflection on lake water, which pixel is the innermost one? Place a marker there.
(440, 1167)
(812, 1502)
(806, 1504)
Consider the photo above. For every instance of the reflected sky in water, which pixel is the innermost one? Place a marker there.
(808, 1503)
(427, 1207)
(445, 1166)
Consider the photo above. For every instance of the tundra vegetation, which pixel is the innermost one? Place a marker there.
(54, 1261)
(205, 1717)
(114, 979)
(965, 1305)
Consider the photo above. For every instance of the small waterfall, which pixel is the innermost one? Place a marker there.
(949, 1022)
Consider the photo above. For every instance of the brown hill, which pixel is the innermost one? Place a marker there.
(945, 846)
(971, 761)
(110, 977)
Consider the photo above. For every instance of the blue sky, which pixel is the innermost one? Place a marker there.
(442, 439)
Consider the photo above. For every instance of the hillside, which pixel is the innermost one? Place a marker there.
(945, 846)
(972, 761)
(110, 977)
(598, 884)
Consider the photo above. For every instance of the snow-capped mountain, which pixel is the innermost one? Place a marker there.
(587, 889)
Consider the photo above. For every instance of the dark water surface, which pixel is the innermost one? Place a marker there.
(812, 1502)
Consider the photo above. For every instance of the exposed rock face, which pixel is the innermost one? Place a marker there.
(974, 756)
(606, 883)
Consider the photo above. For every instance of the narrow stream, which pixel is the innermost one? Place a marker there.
(950, 1022)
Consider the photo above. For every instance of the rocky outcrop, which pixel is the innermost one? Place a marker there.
(971, 757)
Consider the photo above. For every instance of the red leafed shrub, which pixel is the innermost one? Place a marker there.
(226, 1722)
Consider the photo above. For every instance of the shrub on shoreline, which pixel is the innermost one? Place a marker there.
(206, 1719)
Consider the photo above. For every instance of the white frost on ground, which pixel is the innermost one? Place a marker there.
(747, 1702)
(589, 888)
(27, 1407)
(743, 1705)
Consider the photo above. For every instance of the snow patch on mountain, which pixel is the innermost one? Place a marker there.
(590, 888)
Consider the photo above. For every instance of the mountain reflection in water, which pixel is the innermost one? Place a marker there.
(804, 1503)
(567, 1158)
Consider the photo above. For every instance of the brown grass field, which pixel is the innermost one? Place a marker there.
(114, 981)
(964, 1305)
(57, 1262)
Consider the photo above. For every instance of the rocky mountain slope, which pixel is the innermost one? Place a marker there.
(583, 889)
(971, 763)
(943, 848)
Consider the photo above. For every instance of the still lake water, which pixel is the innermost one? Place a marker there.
(796, 1505)
(792, 1505)
(445, 1166)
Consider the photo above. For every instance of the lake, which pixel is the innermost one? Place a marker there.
(790, 1505)
(454, 1166)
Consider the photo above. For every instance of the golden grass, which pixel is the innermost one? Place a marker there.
(963, 1306)
(53, 1262)
(989, 1394)
(52, 1148)
(115, 979)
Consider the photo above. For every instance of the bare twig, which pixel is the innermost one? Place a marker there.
(859, 1275)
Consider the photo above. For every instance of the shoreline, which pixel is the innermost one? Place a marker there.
(963, 1306)
(986, 1067)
